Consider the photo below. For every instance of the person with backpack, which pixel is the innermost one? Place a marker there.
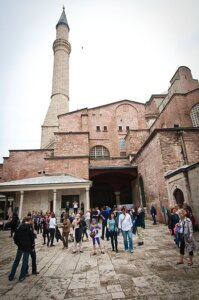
(24, 239)
(153, 213)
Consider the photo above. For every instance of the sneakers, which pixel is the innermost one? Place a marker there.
(10, 278)
(94, 253)
(35, 273)
(81, 251)
(140, 243)
(102, 252)
(22, 279)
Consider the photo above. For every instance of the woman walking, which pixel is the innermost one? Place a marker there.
(112, 226)
(185, 230)
(45, 225)
(78, 230)
(65, 232)
(52, 227)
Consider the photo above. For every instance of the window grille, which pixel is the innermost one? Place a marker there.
(195, 115)
(99, 152)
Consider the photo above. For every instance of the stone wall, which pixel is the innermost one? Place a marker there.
(24, 164)
(107, 125)
(161, 154)
(71, 144)
(177, 111)
(193, 176)
(78, 167)
(1, 172)
(135, 139)
(150, 167)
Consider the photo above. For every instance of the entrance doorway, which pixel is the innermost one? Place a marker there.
(101, 195)
(179, 197)
(70, 199)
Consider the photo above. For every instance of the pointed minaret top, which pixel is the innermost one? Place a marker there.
(63, 19)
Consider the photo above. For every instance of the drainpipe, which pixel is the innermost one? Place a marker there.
(184, 151)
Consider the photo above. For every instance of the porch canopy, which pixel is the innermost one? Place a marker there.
(47, 182)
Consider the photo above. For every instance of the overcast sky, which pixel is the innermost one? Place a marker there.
(121, 49)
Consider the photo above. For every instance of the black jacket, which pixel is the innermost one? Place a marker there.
(24, 237)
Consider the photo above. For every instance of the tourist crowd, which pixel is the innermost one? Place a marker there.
(74, 226)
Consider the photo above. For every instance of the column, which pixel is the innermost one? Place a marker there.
(117, 196)
(87, 204)
(21, 204)
(54, 201)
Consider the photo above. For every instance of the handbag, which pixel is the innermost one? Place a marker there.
(92, 234)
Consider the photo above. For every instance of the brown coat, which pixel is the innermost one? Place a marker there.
(66, 226)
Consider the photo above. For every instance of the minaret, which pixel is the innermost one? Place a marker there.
(60, 84)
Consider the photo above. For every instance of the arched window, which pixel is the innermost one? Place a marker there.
(99, 152)
(195, 115)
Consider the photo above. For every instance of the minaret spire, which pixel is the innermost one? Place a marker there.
(60, 84)
(63, 19)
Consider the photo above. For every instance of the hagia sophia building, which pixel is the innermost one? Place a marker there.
(125, 152)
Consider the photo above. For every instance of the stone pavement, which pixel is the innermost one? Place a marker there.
(149, 273)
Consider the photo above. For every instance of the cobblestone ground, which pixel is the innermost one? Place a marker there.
(149, 273)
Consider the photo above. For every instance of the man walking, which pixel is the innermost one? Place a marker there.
(153, 214)
(104, 215)
(125, 224)
(24, 239)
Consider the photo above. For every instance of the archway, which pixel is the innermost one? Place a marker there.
(179, 197)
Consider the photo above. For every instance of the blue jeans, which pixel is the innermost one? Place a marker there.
(128, 240)
(154, 219)
(16, 263)
(34, 265)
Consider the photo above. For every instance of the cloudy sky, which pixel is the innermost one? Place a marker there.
(121, 49)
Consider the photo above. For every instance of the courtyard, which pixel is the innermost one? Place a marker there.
(149, 273)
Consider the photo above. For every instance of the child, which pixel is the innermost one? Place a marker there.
(95, 235)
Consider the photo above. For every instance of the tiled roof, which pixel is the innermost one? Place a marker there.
(43, 180)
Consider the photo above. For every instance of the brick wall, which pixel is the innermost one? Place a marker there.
(177, 111)
(194, 186)
(24, 164)
(191, 140)
(71, 144)
(135, 139)
(108, 118)
(1, 172)
(150, 167)
(77, 167)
